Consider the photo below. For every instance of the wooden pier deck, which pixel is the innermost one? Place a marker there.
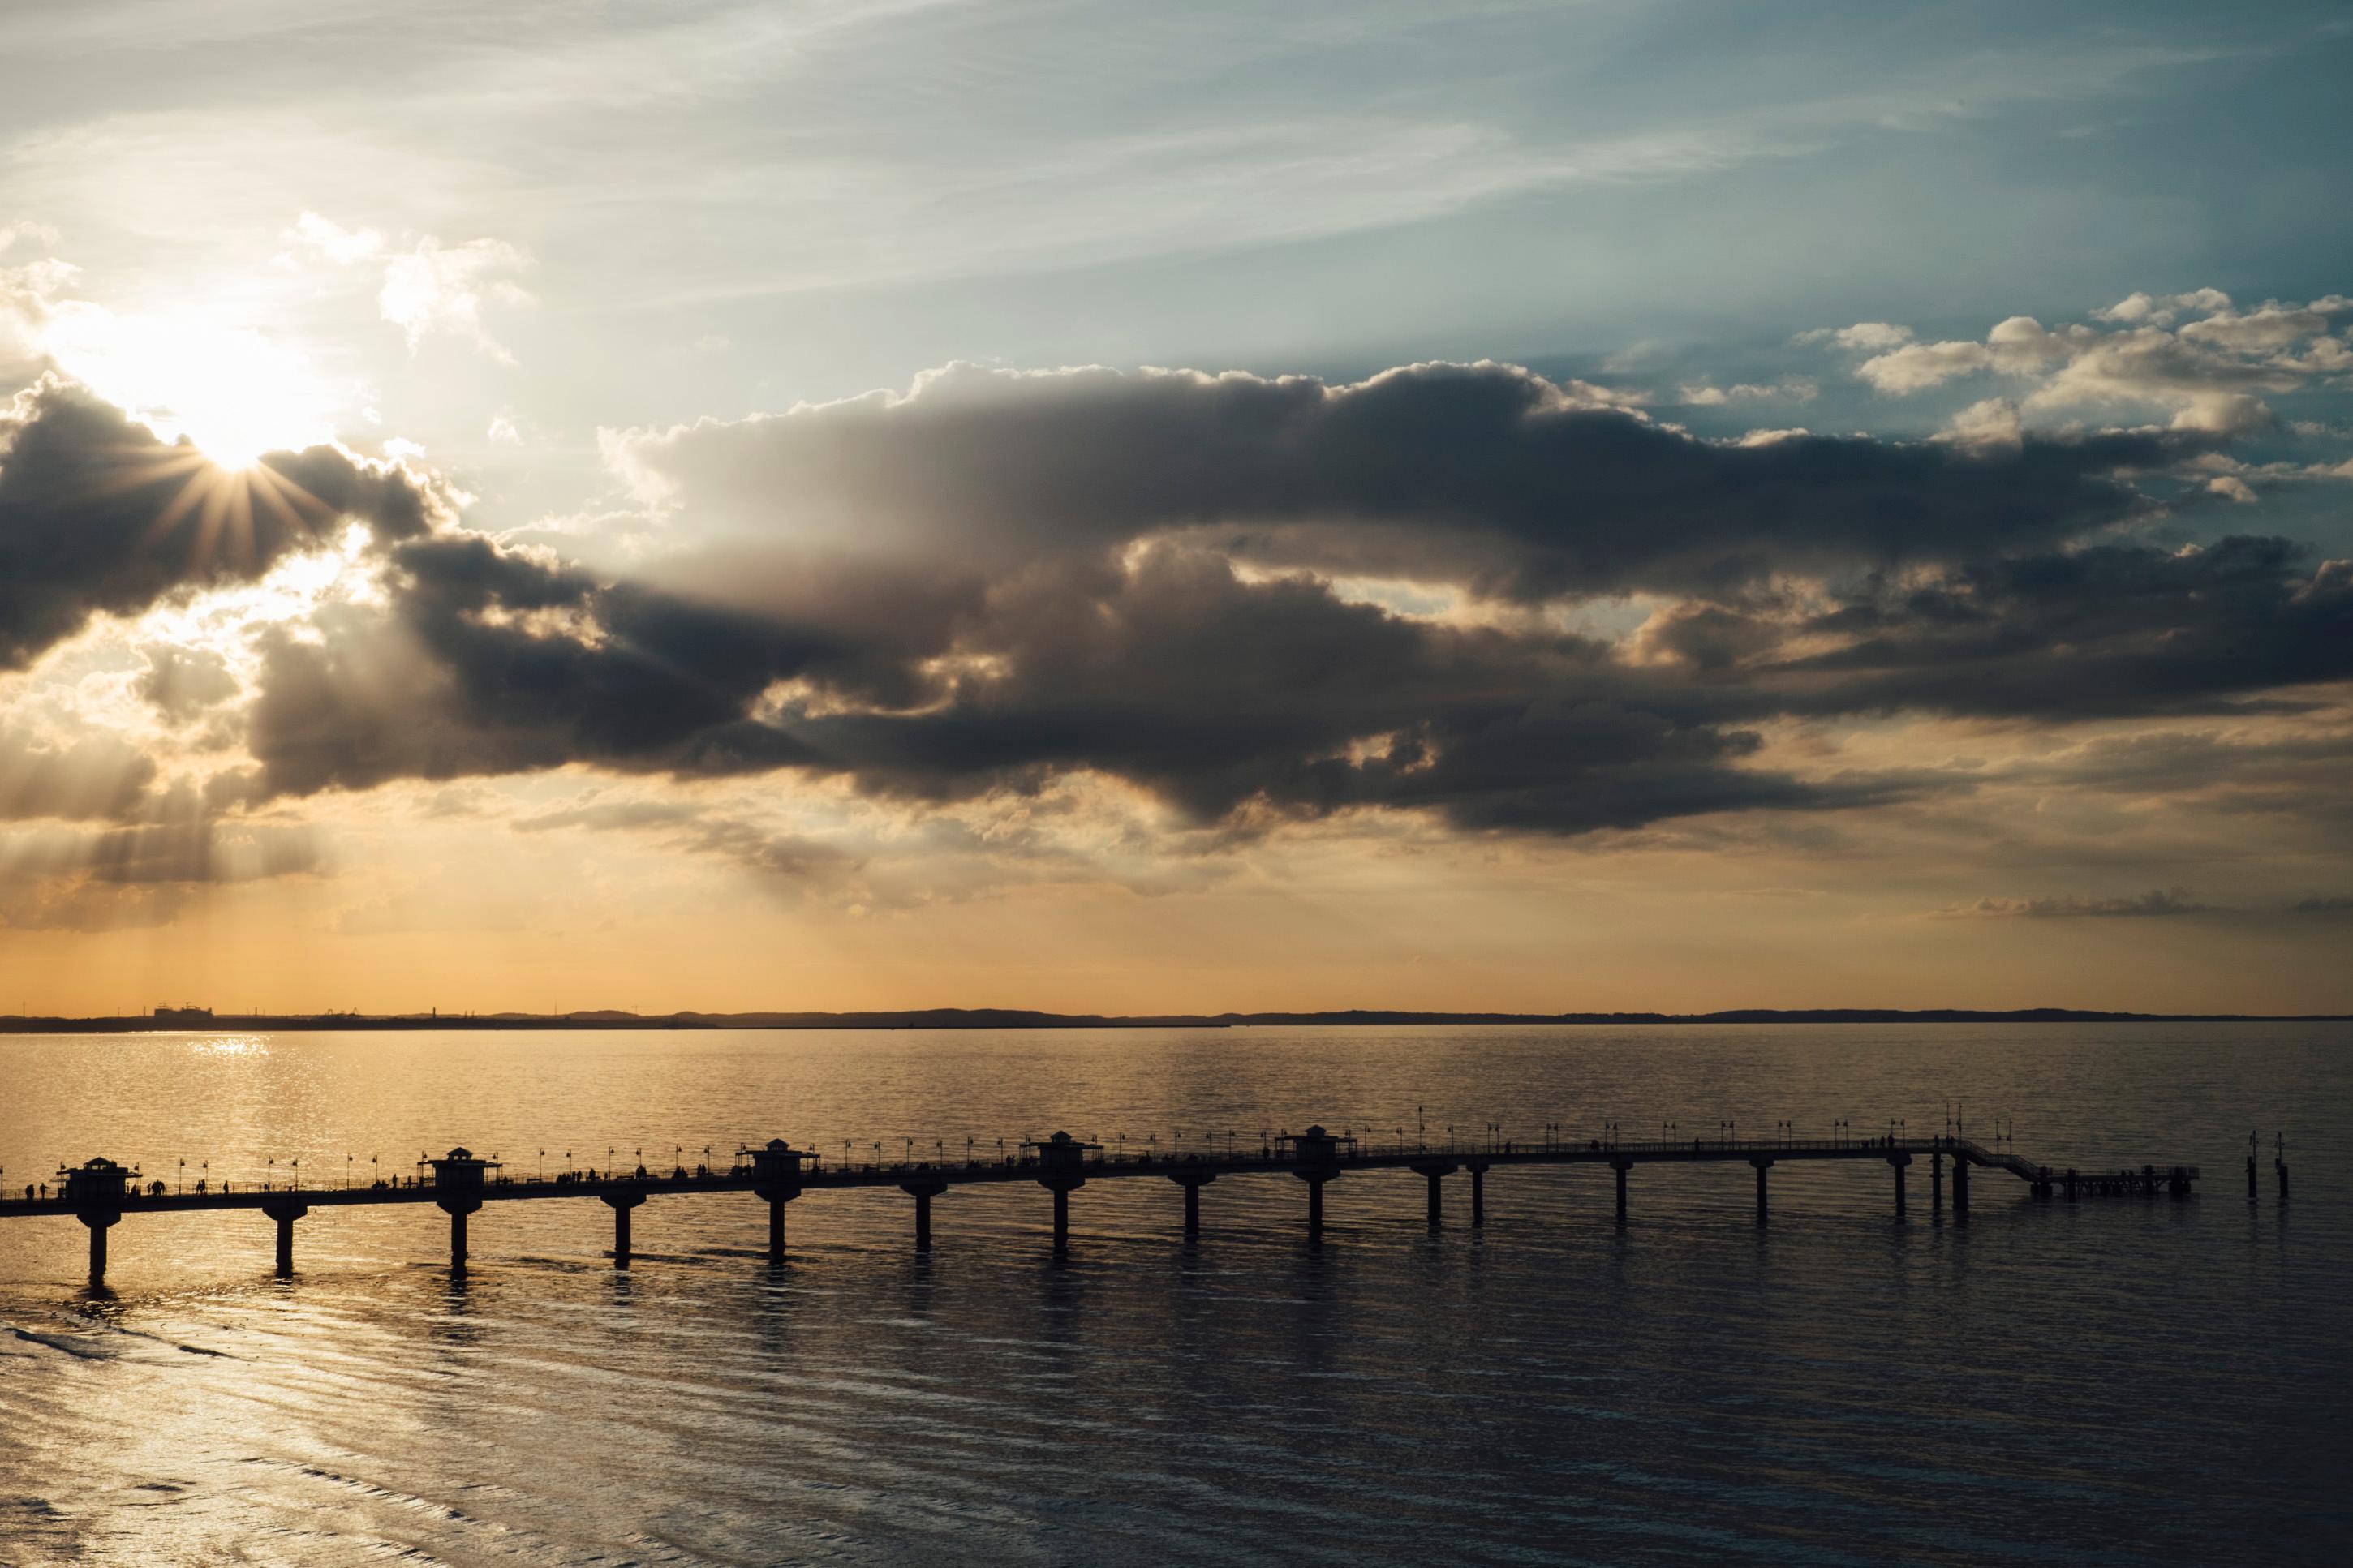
(99, 1194)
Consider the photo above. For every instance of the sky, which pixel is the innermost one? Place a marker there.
(1128, 507)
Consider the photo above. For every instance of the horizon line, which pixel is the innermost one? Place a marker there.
(181, 1019)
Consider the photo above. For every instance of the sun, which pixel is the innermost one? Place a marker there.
(232, 391)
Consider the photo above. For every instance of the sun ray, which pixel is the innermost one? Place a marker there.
(198, 486)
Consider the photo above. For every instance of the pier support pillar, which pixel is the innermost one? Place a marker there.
(1315, 1156)
(1478, 1169)
(1898, 1162)
(621, 1203)
(777, 1180)
(1435, 1171)
(1762, 1166)
(99, 1226)
(923, 1192)
(1621, 1167)
(96, 1189)
(1935, 1184)
(2281, 1166)
(285, 1214)
(2250, 1176)
(459, 1179)
(1193, 1182)
(1061, 1162)
(1960, 1187)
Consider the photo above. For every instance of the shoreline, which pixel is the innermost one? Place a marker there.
(188, 1021)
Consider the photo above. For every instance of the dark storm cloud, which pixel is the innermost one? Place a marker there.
(98, 516)
(1224, 694)
(1041, 577)
(1172, 672)
(1483, 474)
(490, 661)
(2111, 630)
(1215, 692)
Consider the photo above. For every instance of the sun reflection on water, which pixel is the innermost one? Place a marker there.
(229, 1045)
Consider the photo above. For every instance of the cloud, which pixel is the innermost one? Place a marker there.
(112, 853)
(1001, 584)
(2212, 373)
(1863, 337)
(1483, 476)
(2135, 309)
(98, 516)
(433, 288)
(1794, 390)
(1170, 671)
(182, 682)
(337, 244)
(2156, 903)
(427, 287)
(2107, 630)
(92, 777)
(1003, 581)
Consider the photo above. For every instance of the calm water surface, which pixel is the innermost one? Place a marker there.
(2119, 1382)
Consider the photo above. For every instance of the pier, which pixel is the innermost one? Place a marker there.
(101, 1193)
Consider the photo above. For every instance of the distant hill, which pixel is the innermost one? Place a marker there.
(182, 1019)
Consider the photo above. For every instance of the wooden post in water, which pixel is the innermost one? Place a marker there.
(1621, 1167)
(1762, 1166)
(1478, 1169)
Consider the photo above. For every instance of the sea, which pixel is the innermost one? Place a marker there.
(2124, 1381)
